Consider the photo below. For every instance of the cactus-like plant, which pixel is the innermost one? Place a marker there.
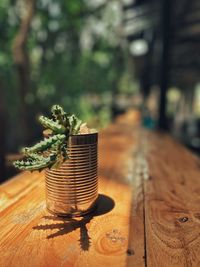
(51, 152)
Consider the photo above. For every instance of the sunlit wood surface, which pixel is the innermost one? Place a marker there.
(148, 211)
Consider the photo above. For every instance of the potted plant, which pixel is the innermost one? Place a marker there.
(68, 153)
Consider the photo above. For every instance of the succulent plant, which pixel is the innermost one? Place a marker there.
(51, 152)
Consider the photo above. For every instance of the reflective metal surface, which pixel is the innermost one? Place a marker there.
(72, 190)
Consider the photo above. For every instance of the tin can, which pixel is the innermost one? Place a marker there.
(72, 189)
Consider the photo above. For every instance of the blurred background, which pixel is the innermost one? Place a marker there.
(98, 59)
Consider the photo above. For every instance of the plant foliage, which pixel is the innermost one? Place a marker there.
(52, 150)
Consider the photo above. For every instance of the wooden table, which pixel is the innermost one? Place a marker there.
(148, 211)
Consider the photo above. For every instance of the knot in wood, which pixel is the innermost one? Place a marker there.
(115, 236)
(130, 252)
(183, 219)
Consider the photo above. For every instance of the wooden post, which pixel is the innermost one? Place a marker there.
(164, 76)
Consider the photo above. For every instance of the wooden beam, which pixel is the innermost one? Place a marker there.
(113, 235)
(164, 77)
(186, 39)
(147, 213)
(172, 204)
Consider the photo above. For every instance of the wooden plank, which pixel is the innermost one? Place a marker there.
(172, 204)
(112, 236)
(16, 188)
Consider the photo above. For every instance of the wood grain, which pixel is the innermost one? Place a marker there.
(112, 236)
(148, 212)
(172, 204)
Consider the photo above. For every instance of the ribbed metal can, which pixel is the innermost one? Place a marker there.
(72, 189)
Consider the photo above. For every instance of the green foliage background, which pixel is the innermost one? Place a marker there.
(63, 71)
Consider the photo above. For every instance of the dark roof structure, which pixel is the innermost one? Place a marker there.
(172, 31)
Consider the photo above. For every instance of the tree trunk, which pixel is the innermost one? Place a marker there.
(2, 135)
(21, 59)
